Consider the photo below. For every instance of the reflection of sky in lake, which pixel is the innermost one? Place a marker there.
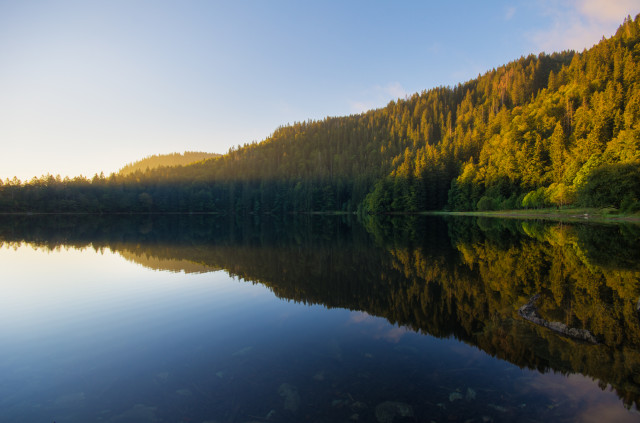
(88, 336)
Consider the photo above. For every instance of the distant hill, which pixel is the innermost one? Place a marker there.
(173, 159)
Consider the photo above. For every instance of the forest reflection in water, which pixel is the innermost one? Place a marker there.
(466, 278)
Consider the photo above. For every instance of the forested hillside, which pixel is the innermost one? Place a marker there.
(172, 159)
(544, 130)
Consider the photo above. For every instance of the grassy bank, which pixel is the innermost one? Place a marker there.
(604, 215)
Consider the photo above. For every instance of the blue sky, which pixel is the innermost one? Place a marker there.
(90, 86)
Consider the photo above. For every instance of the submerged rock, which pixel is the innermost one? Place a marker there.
(389, 410)
(471, 394)
(358, 405)
(455, 396)
(498, 408)
(291, 397)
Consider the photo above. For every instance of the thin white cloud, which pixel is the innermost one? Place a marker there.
(435, 47)
(360, 316)
(508, 14)
(362, 106)
(395, 90)
(579, 24)
(394, 334)
(610, 11)
(378, 96)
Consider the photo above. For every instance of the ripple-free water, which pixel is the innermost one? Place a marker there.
(94, 333)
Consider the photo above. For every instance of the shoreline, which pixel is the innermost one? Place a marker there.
(584, 215)
(581, 215)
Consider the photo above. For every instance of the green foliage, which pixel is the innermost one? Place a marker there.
(536, 199)
(486, 203)
(610, 185)
(630, 204)
(560, 194)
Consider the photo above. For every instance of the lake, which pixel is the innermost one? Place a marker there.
(318, 319)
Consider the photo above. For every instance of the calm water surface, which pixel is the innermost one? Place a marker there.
(178, 319)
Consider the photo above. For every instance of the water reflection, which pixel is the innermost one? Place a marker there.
(459, 279)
